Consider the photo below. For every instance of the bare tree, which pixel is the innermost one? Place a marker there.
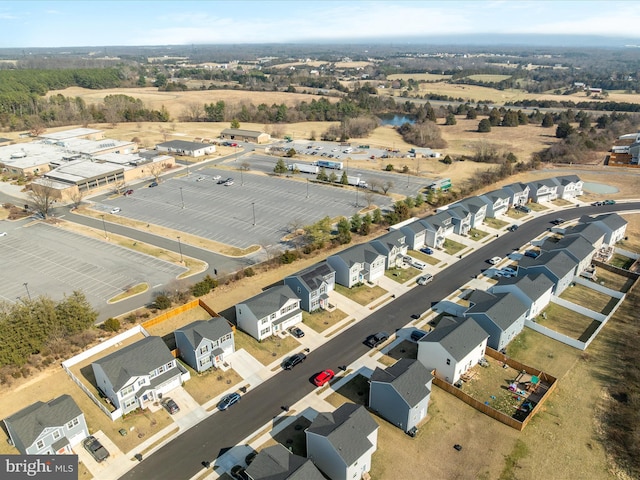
(375, 184)
(369, 197)
(386, 186)
(76, 197)
(42, 196)
(246, 166)
(156, 169)
(37, 130)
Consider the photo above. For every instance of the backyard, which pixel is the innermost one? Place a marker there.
(568, 322)
(589, 298)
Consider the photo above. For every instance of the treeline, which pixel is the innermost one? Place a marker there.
(43, 327)
(598, 105)
(19, 89)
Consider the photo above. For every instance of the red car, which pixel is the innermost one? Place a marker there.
(323, 377)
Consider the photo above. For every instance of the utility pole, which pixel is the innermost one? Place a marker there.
(180, 249)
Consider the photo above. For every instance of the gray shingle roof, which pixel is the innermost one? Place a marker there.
(277, 463)
(270, 301)
(533, 286)
(576, 246)
(240, 131)
(29, 422)
(611, 220)
(591, 232)
(557, 262)
(503, 309)
(313, 276)
(409, 377)
(395, 238)
(363, 253)
(415, 227)
(183, 145)
(495, 195)
(212, 329)
(347, 429)
(134, 360)
(459, 336)
(517, 187)
(566, 179)
(473, 204)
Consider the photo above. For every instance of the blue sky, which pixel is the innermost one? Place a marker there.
(161, 22)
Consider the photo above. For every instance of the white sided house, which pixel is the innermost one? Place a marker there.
(358, 264)
(189, 149)
(535, 291)
(453, 347)
(269, 312)
(138, 374)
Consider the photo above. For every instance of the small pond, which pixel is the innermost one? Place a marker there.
(598, 188)
(396, 120)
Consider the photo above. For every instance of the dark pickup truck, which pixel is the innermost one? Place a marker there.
(376, 339)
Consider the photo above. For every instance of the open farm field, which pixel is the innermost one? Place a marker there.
(424, 77)
(175, 102)
(488, 78)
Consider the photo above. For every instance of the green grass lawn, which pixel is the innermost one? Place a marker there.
(621, 261)
(268, 350)
(536, 207)
(320, 320)
(362, 294)
(451, 247)
(210, 383)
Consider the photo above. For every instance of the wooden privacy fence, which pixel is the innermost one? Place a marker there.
(490, 411)
(181, 309)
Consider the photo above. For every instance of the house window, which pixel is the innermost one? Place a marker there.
(126, 391)
(56, 434)
(299, 290)
(448, 361)
(273, 316)
(160, 369)
(141, 382)
(265, 331)
(204, 349)
(40, 444)
(72, 423)
(169, 365)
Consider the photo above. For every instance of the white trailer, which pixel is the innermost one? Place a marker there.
(356, 182)
(304, 168)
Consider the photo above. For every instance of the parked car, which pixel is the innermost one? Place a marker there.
(128, 192)
(229, 400)
(323, 377)
(170, 405)
(199, 179)
(376, 339)
(115, 210)
(427, 250)
(221, 181)
(523, 208)
(294, 360)
(228, 183)
(417, 335)
(609, 202)
(296, 332)
(512, 228)
(495, 260)
(532, 253)
(597, 204)
(3, 234)
(424, 279)
(153, 184)
(95, 448)
(215, 178)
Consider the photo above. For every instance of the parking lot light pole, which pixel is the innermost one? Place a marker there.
(181, 197)
(357, 188)
(180, 249)
(26, 285)
(104, 227)
(253, 206)
(307, 188)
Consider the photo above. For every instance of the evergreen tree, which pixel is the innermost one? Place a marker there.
(547, 120)
(484, 126)
(344, 235)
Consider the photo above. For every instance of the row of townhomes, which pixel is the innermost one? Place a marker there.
(340, 443)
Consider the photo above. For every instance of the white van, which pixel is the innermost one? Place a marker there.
(418, 264)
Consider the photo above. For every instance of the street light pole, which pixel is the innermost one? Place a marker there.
(26, 285)
(180, 249)
(104, 227)
(181, 197)
(253, 206)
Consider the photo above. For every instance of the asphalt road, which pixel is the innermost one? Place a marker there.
(182, 458)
